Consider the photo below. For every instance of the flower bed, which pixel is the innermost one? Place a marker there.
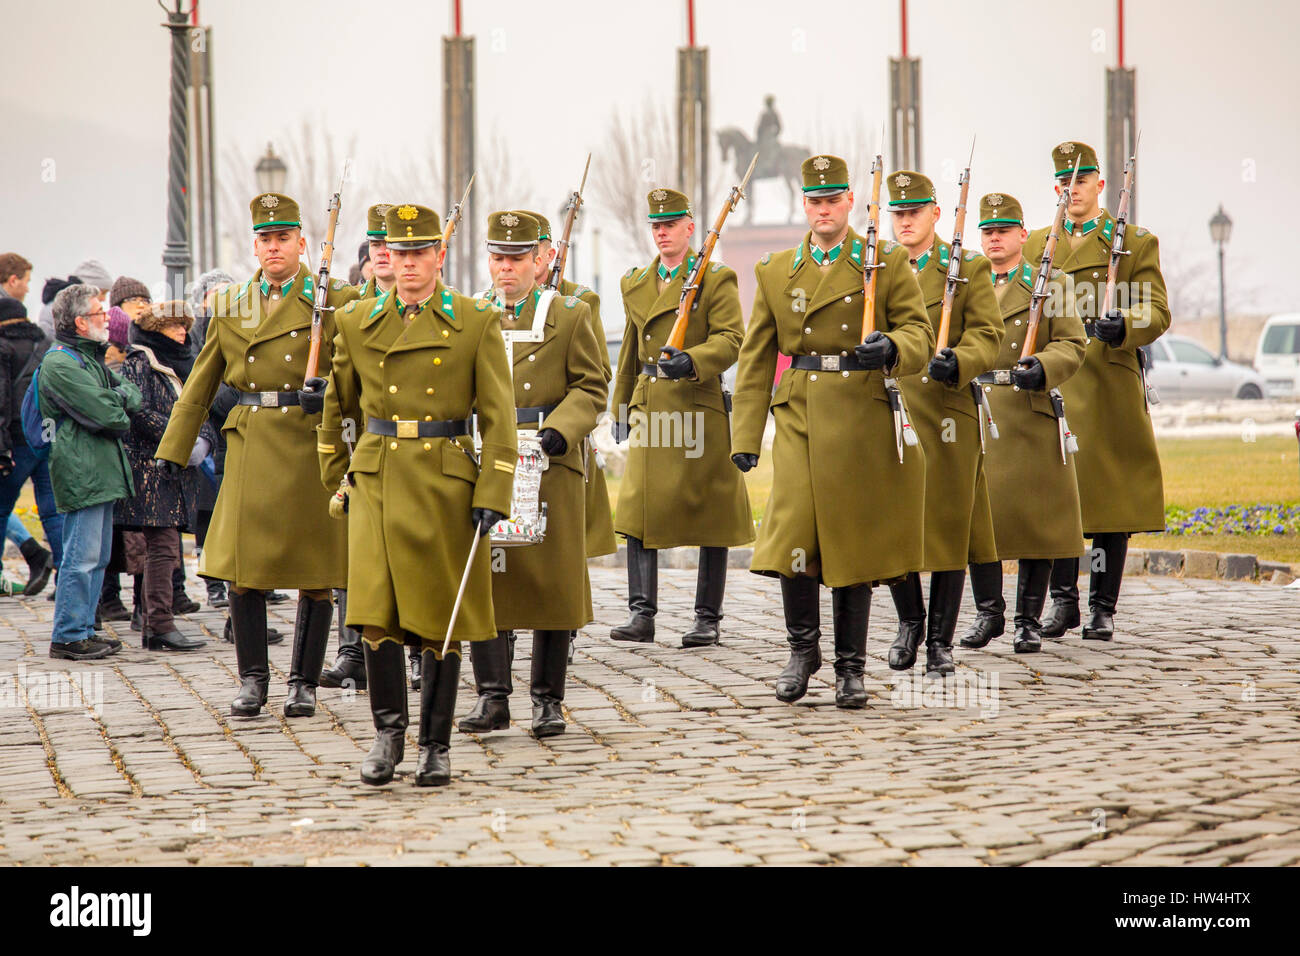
(1256, 519)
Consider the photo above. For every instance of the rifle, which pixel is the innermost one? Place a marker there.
(457, 213)
(319, 307)
(1117, 249)
(691, 287)
(556, 275)
(954, 263)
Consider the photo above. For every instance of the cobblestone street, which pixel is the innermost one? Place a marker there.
(1178, 743)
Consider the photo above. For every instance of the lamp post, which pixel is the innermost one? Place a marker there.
(271, 172)
(1220, 230)
(176, 250)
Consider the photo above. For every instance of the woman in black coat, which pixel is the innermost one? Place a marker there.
(158, 362)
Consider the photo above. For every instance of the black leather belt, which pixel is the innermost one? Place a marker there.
(829, 363)
(404, 429)
(999, 376)
(533, 415)
(268, 399)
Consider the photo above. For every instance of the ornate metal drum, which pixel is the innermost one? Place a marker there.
(526, 523)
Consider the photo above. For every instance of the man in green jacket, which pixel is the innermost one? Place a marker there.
(87, 410)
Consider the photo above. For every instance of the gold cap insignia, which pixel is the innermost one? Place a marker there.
(659, 195)
(995, 199)
(382, 210)
(902, 179)
(509, 219)
(821, 162)
(407, 212)
(270, 202)
(1065, 149)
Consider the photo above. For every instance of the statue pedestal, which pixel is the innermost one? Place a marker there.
(741, 247)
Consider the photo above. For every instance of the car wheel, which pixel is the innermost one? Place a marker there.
(1250, 393)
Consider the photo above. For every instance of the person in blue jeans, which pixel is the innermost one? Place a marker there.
(90, 408)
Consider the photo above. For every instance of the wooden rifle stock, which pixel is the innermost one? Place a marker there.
(323, 284)
(871, 263)
(1117, 250)
(455, 215)
(556, 275)
(954, 262)
(1038, 297)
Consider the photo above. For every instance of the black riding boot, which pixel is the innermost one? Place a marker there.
(945, 601)
(311, 635)
(991, 620)
(550, 650)
(1031, 595)
(910, 604)
(1063, 615)
(248, 627)
(491, 663)
(439, 680)
(350, 665)
(850, 610)
(642, 594)
(386, 676)
(710, 583)
(799, 598)
(1103, 588)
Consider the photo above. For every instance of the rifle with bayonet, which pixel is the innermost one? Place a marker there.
(556, 275)
(454, 217)
(319, 306)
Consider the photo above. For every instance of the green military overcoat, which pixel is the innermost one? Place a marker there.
(1034, 495)
(680, 488)
(842, 506)
(1120, 483)
(545, 586)
(408, 524)
(958, 521)
(270, 527)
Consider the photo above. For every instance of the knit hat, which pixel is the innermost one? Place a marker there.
(92, 273)
(163, 314)
(126, 288)
(205, 283)
(11, 308)
(118, 323)
(53, 286)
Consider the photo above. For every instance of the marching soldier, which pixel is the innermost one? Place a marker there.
(679, 489)
(1031, 481)
(350, 665)
(267, 534)
(958, 522)
(844, 511)
(409, 370)
(1121, 491)
(559, 388)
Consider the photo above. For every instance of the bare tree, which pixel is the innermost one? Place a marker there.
(637, 153)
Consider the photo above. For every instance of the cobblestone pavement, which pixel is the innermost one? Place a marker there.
(1175, 744)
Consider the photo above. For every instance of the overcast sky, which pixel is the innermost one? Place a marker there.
(84, 93)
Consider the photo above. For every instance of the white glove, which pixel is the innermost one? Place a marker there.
(201, 448)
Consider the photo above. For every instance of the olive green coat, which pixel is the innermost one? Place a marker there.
(1120, 482)
(270, 527)
(1034, 495)
(408, 524)
(680, 488)
(958, 520)
(545, 586)
(842, 506)
(600, 518)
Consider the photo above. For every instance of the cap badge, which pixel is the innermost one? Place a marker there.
(659, 195)
(270, 202)
(381, 210)
(821, 162)
(1066, 149)
(509, 219)
(407, 212)
(902, 179)
(995, 199)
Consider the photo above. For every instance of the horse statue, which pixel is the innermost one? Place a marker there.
(783, 163)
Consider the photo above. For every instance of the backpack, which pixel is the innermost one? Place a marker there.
(33, 420)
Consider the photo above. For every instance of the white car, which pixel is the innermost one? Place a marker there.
(1277, 357)
(1181, 369)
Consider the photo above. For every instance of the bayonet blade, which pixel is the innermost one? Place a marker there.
(749, 172)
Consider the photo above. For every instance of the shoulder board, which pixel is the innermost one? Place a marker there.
(581, 291)
(715, 266)
(628, 274)
(481, 305)
(969, 256)
(338, 284)
(571, 301)
(888, 246)
(767, 257)
(351, 305)
(1142, 231)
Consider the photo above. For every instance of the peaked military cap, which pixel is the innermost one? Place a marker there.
(999, 209)
(509, 233)
(543, 224)
(408, 226)
(375, 220)
(1066, 154)
(824, 175)
(667, 205)
(907, 187)
(274, 211)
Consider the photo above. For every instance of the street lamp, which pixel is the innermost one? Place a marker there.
(1220, 230)
(271, 172)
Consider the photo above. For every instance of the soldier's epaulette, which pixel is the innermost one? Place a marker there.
(888, 246)
(1142, 231)
(580, 291)
(715, 266)
(570, 302)
(338, 284)
(351, 305)
(481, 305)
(767, 257)
(969, 256)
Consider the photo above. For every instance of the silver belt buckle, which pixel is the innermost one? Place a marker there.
(830, 363)
(1002, 376)
(271, 399)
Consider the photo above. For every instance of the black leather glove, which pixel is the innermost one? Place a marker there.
(619, 430)
(484, 519)
(744, 461)
(552, 442)
(169, 468)
(943, 367)
(6, 464)
(311, 397)
(1110, 329)
(1029, 373)
(877, 351)
(677, 365)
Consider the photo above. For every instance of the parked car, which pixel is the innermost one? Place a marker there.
(1277, 357)
(1182, 369)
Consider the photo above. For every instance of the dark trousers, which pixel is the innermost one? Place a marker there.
(162, 554)
(33, 465)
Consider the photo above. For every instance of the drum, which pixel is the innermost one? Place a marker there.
(526, 523)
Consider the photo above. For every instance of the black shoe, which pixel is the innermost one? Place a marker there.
(910, 604)
(137, 620)
(113, 610)
(387, 679)
(311, 635)
(438, 685)
(799, 600)
(182, 603)
(945, 601)
(642, 594)
(275, 597)
(1031, 595)
(40, 565)
(82, 650)
(217, 593)
(248, 626)
(990, 619)
(347, 667)
(173, 640)
(1064, 613)
(851, 609)
(710, 584)
(491, 665)
(1100, 626)
(1103, 588)
(546, 686)
(112, 644)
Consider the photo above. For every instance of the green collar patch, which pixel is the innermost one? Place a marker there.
(668, 275)
(855, 251)
(1084, 229)
(819, 257)
(518, 307)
